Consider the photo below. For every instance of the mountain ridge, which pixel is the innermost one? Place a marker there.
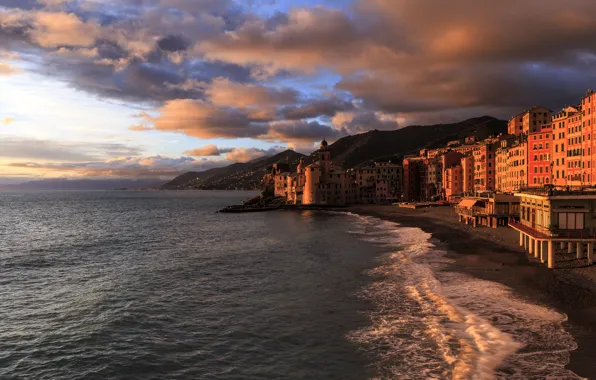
(348, 152)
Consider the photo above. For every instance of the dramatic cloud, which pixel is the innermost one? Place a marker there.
(200, 119)
(222, 92)
(221, 69)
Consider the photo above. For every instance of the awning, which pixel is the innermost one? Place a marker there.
(467, 203)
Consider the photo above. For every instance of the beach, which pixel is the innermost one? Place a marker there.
(495, 255)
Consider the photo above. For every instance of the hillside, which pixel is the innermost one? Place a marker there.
(353, 151)
(234, 177)
(349, 152)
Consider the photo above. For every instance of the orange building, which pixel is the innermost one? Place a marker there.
(467, 165)
(453, 179)
(484, 167)
(502, 165)
(588, 129)
(529, 121)
(575, 172)
(517, 166)
(559, 124)
(539, 157)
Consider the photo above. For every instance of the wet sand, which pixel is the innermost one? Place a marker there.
(495, 255)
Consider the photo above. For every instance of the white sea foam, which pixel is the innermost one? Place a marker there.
(429, 323)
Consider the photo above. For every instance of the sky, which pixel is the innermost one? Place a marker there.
(154, 88)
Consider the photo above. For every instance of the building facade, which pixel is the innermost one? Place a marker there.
(539, 157)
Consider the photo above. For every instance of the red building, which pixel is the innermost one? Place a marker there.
(539, 157)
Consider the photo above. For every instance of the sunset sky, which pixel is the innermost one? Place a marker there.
(152, 88)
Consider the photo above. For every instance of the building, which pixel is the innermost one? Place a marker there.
(453, 182)
(540, 170)
(493, 210)
(529, 121)
(588, 106)
(467, 165)
(552, 219)
(388, 179)
(432, 179)
(517, 166)
(559, 125)
(326, 183)
(484, 167)
(414, 176)
(574, 160)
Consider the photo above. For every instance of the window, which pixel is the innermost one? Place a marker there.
(571, 220)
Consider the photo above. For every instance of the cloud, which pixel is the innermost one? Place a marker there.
(219, 69)
(208, 151)
(6, 69)
(47, 150)
(200, 119)
(8, 120)
(127, 167)
(225, 93)
(249, 154)
(302, 131)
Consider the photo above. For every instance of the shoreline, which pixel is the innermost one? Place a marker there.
(495, 255)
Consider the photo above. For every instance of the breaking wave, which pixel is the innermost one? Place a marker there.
(434, 324)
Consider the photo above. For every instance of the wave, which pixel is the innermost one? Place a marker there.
(432, 323)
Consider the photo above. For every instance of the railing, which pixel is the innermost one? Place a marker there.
(553, 232)
(470, 212)
(558, 191)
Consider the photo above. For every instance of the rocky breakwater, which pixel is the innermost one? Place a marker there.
(259, 203)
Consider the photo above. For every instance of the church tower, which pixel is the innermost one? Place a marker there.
(325, 156)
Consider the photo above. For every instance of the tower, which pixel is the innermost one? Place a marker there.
(325, 156)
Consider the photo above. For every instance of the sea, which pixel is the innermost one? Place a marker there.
(158, 285)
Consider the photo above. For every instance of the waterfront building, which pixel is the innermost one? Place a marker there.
(488, 209)
(325, 183)
(560, 122)
(502, 166)
(453, 182)
(575, 172)
(553, 219)
(517, 165)
(484, 167)
(529, 121)
(540, 144)
(467, 165)
(588, 106)
(414, 173)
(451, 159)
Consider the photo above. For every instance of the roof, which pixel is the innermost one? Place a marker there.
(468, 203)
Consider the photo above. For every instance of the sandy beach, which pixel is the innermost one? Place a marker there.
(495, 255)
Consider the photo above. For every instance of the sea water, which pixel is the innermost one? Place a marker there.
(157, 285)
